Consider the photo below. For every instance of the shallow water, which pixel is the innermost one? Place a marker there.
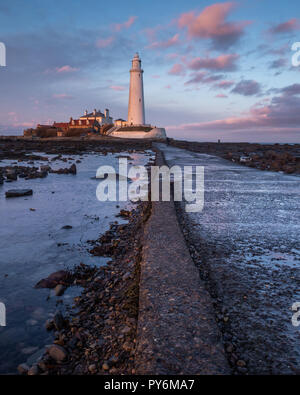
(33, 245)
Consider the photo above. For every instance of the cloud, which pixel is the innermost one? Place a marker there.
(125, 25)
(222, 62)
(247, 88)
(291, 90)
(278, 63)
(281, 115)
(224, 84)
(211, 24)
(203, 77)
(61, 70)
(171, 42)
(105, 42)
(177, 69)
(66, 69)
(290, 26)
(61, 96)
(221, 96)
(117, 88)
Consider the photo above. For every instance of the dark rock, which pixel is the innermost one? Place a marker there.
(59, 321)
(73, 169)
(18, 193)
(53, 280)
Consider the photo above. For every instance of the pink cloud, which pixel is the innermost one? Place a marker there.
(224, 84)
(281, 114)
(165, 44)
(221, 96)
(61, 70)
(65, 69)
(168, 87)
(222, 62)
(125, 25)
(177, 69)
(117, 88)
(211, 24)
(286, 27)
(105, 42)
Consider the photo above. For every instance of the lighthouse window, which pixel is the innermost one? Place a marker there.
(140, 100)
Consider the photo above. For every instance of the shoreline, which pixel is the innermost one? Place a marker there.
(103, 333)
(99, 336)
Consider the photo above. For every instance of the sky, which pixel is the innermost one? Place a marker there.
(212, 70)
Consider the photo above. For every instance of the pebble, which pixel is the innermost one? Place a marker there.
(58, 353)
(93, 368)
(33, 371)
(59, 290)
(23, 368)
(240, 363)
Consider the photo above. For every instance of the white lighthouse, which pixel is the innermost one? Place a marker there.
(136, 106)
(135, 127)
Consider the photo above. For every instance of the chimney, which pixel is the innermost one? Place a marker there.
(95, 112)
(86, 112)
(106, 112)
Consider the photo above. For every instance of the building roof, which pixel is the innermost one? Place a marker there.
(90, 115)
(120, 119)
(61, 124)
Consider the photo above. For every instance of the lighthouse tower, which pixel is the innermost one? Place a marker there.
(136, 107)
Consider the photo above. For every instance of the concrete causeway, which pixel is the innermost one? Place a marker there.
(177, 332)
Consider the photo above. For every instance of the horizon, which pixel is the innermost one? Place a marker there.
(215, 70)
